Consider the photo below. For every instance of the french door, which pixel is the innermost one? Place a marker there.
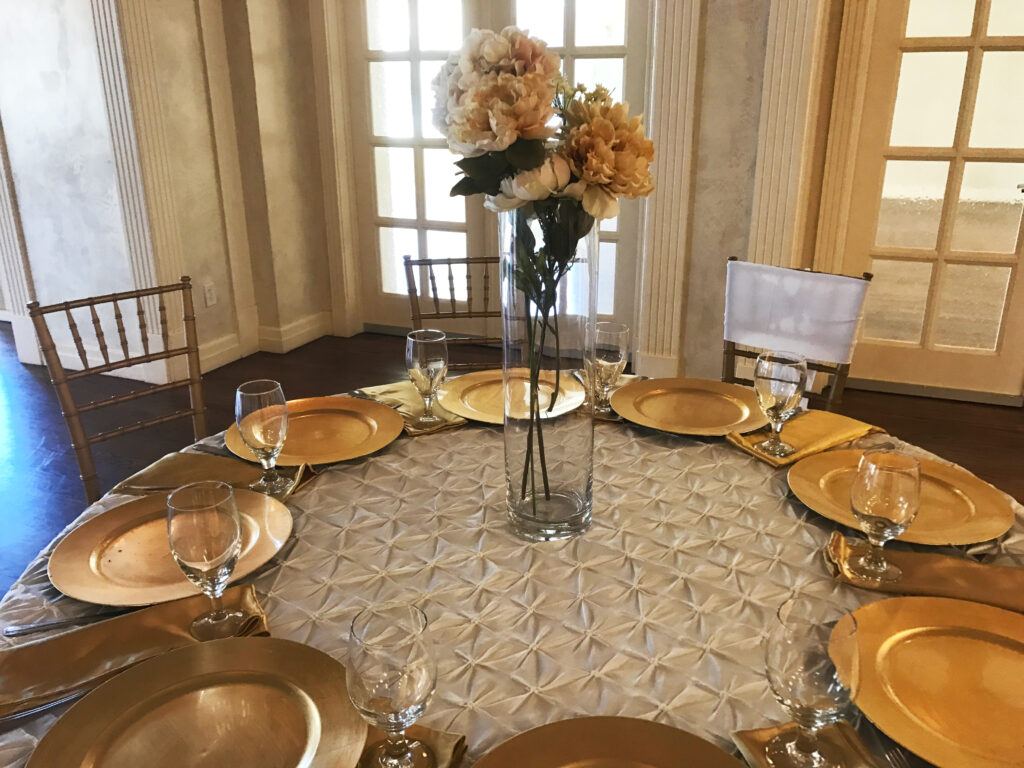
(395, 49)
(936, 198)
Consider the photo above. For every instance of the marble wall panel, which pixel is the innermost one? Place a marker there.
(734, 45)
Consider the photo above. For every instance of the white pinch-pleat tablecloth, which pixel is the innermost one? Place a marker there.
(657, 612)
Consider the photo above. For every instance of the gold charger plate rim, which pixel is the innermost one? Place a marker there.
(450, 395)
(887, 622)
(69, 566)
(317, 675)
(568, 743)
(995, 512)
(624, 400)
(388, 425)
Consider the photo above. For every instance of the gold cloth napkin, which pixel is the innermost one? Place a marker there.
(37, 673)
(811, 432)
(176, 469)
(933, 575)
(448, 748)
(404, 398)
(840, 736)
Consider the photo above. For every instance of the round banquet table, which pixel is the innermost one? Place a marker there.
(657, 612)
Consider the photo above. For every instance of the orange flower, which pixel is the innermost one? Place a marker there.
(608, 151)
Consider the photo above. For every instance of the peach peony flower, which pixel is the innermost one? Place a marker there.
(549, 178)
(608, 151)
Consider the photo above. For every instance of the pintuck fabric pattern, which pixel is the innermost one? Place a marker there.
(657, 612)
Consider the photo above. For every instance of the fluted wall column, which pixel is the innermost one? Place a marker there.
(673, 120)
(788, 113)
(17, 276)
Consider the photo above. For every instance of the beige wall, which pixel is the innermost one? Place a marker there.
(193, 169)
(222, 127)
(58, 141)
(734, 37)
(279, 33)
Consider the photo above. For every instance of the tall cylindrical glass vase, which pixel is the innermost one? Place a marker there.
(549, 253)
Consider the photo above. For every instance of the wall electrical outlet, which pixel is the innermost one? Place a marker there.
(209, 293)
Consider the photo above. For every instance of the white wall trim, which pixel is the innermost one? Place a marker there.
(673, 112)
(788, 111)
(327, 25)
(220, 106)
(16, 272)
(141, 97)
(127, 166)
(296, 333)
(844, 134)
(220, 351)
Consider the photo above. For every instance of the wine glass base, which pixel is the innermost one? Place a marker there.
(777, 449)
(419, 755)
(217, 625)
(273, 487)
(862, 568)
(784, 752)
(426, 422)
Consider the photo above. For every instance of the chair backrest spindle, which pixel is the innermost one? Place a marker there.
(75, 335)
(143, 331)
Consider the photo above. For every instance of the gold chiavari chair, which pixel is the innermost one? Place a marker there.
(62, 379)
(447, 308)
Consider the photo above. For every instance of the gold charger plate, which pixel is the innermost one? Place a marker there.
(479, 395)
(941, 677)
(122, 557)
(257, 702)
(690, 406)
(606, 742)
(956, 507)
(323, 430)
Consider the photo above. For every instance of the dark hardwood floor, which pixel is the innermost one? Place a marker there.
(40, 491)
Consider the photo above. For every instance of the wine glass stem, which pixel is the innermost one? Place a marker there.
(428, 404)
(874, 558)
(396, 746)
(775, 438)
(806, 739)
(269, 469)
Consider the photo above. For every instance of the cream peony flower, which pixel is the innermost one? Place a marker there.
(498, 88)
(547, 179)
(608, 151)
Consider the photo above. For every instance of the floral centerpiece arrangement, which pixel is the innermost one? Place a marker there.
(551, 159)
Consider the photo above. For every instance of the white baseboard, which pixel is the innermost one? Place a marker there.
(220, 351)
(655, 366)
(6, 316)
(287, 337)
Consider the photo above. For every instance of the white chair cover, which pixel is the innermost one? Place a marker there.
(809, 313)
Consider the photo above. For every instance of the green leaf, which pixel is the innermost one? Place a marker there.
(526, 154)
(486, 167)
(465, 186)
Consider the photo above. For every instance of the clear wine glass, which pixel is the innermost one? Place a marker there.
(804, 679)
(391, 675)
(261, 414)
(779, 381)
(205, 536)
(885, 498)
(610, 357)
(426, 357)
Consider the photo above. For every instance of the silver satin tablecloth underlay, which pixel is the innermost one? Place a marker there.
(657, 612)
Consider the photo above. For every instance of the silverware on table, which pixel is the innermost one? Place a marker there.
(896, 758)
(16, 716)
(19, 630)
